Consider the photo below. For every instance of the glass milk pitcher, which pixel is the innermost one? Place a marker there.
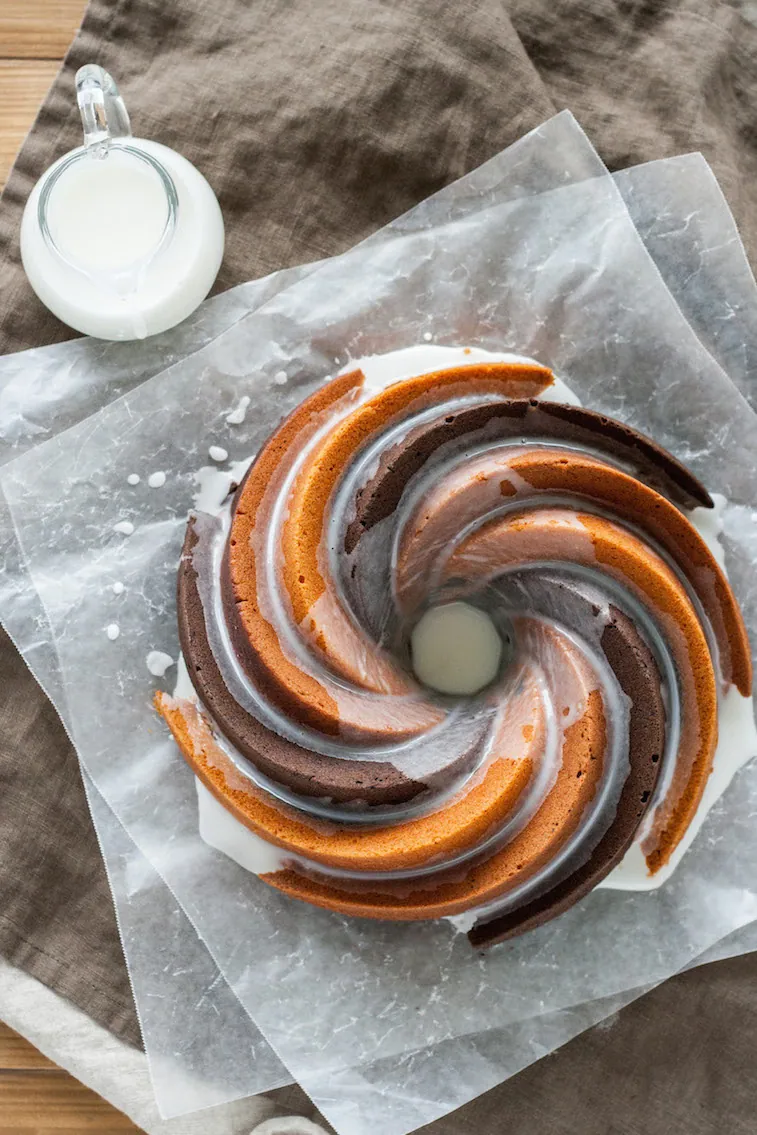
(122, 237)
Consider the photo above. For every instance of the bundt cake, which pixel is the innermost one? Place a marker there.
(370, 506)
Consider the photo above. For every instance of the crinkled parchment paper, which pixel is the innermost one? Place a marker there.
(388, 1026)
(180, 993)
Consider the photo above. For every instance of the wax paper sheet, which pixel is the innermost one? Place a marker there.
(535, 253)
(194, 1063)
(179, 990)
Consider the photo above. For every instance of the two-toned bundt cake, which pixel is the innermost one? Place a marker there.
(371, 504)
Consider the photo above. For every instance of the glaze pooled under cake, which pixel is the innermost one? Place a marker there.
(296, 603)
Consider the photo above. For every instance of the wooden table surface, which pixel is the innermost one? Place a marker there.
(36, 1098)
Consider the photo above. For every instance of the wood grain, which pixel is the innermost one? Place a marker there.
(17, 1053)
(38, 29)
(52, 1101)
(36, 1097)
(23, 85)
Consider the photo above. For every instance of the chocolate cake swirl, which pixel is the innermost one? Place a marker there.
(296, 605)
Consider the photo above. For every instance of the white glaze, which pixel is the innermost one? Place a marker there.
(118, 587)
(112, 631)
(280, 377)
(214, 485)
(125, 527)
(183, 687)
(737, 744)
(222, 831)
(238, 414)
(157, 662)
(709, 524)
(156, 480)
(133, 478)
(455, 649)
(381, 370)
(462, 922)
(217, 453)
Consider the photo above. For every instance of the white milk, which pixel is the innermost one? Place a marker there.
(112, 277)
(108, 213)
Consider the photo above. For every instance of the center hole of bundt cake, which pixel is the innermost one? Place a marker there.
(456, 649)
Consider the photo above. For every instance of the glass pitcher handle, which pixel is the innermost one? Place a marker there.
(103, 113)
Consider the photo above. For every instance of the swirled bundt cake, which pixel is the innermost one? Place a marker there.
(571, 533)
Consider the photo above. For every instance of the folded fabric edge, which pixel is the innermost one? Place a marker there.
(110, 1067)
